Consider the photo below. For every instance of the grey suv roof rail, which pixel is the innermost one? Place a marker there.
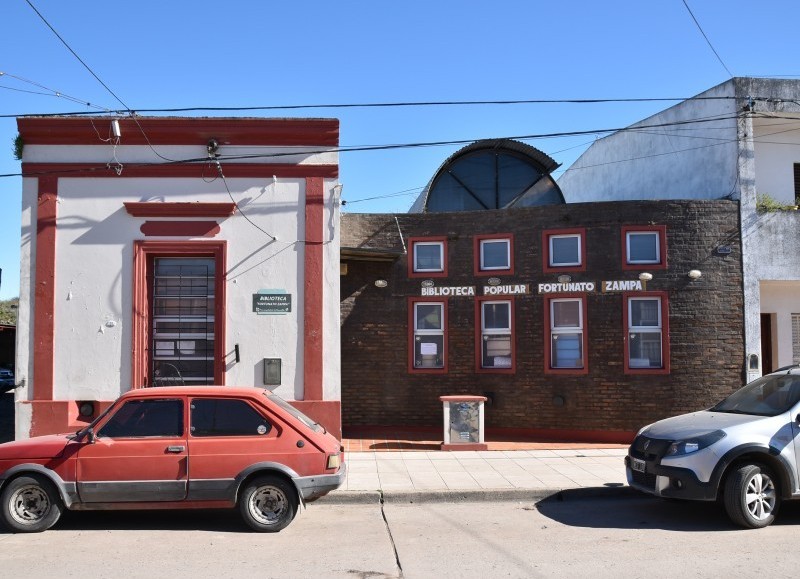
(787, 368)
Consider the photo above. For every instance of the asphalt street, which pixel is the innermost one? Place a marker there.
(564, 536)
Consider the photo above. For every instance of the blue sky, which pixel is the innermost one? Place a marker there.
(244, 53)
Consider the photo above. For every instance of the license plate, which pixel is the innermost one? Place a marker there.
(637, 465)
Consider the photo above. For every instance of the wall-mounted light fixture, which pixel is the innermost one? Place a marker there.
(381, 283)
(644, 276)
(564, 279)
(694, 274)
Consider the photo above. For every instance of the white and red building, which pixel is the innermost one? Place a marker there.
(176, 250)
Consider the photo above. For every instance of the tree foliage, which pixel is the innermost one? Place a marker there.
(8, 311)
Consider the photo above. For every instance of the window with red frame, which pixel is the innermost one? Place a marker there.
(646, 343)
(429, 330)
(566, 334)
(496, 335)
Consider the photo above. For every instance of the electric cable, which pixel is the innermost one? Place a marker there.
(711, 46)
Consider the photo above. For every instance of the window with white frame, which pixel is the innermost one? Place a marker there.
(429, 335)
(645, 335)
(643, 247)
(428, 256)
(565, 250)
(566, 333)
(495, 254)
(496, 334)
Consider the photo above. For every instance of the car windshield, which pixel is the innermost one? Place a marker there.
(295, 412)
(767, 396)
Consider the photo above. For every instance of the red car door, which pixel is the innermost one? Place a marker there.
(139, 454)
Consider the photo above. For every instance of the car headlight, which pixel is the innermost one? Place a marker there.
(690, 445)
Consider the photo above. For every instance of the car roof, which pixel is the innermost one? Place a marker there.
(161, 391)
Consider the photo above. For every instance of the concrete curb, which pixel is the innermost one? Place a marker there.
(481, 495)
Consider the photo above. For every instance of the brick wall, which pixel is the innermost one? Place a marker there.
(705, 319)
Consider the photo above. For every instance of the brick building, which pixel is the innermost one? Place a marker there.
(575, 320)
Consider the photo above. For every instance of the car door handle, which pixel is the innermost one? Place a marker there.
(176, 449)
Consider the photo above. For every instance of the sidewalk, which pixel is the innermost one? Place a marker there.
(420, 476)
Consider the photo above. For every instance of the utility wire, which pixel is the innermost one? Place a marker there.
(640, 128)
(700, 28)
(393, 105)
(52, 92)
(75, 54)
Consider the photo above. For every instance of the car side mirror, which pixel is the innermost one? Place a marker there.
(90, 435)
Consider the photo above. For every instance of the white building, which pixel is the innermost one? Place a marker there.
(176, 250)
(738, 140)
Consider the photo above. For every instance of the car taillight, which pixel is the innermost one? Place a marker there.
(334, 461)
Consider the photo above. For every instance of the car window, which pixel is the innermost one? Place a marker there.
(275, 399)
(151, 417)
(226, 417)
(767, 396)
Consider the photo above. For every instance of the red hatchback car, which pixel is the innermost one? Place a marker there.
(173, 448)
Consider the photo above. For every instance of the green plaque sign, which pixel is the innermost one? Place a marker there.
(272, 303)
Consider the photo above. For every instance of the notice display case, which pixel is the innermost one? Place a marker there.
(463, 422)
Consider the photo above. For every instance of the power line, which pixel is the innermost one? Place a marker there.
(75, 54)
(52, 92)
(386, 105)
(640, 128)
(700, 28)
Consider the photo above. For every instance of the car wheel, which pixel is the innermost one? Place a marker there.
(751, 496)
(30, 504)
(268, 504)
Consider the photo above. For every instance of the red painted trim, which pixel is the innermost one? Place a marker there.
(180, 228)
(547, 234)
(410, 258)
(477, 252)
(662, 241)
(181, 131)
(479, 369)
(57, 416)
(328, 413)
(665, 348)
(143, 254)
(313, 346)
(199, 170)
(547, 336)
(463, 398)
(493, 434)
(412, 369)
(45, 290)
(464, 446)
(159, 209)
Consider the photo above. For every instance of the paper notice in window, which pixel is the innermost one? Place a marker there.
(428, 348)
(186, 347)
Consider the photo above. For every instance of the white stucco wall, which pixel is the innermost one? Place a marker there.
(782, 299)
(685, 161)
(777, 149)
(94, 269)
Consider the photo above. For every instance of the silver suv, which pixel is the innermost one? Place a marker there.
(743, 451)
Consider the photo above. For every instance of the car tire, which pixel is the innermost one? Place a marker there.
(30, 504)
(268, 504)
(751, 496)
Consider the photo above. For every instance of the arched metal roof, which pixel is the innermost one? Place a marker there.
(491, 174)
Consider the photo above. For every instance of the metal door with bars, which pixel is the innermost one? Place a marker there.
(182, 321)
